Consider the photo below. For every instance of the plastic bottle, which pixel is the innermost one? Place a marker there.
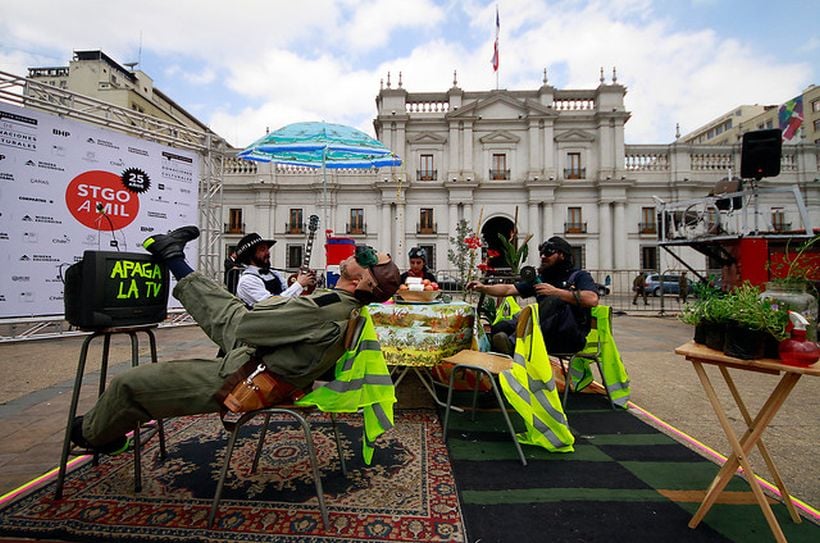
(797, 350)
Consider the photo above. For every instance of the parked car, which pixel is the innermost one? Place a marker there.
(669, 281)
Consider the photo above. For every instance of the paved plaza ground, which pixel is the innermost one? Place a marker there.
(37, 379)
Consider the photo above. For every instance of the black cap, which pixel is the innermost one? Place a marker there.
(247, 246)
(556, 244)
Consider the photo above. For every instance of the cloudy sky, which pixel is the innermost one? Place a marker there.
(246, 65)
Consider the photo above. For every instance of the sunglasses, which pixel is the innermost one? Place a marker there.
(547, 249)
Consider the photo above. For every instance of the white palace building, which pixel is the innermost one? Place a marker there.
(554, 159)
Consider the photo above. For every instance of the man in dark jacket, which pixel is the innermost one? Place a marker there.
(564, 294)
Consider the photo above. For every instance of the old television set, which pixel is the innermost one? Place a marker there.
(110, 289)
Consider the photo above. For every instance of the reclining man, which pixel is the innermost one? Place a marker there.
(564, 295)
(301, 337)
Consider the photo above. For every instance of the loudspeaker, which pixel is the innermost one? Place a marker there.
(760, 154)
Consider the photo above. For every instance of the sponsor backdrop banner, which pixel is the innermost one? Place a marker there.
(67, 187)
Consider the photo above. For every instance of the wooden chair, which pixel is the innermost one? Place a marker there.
(489, 365)
(591, 352)
(355, 326)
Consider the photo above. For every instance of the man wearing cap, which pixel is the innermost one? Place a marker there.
(564, 294)
(298, 338)
(418, 266)
(258, 281)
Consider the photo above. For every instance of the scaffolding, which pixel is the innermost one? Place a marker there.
(71, 105)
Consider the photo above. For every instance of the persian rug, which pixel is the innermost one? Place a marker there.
(406, 495)
(626, 481)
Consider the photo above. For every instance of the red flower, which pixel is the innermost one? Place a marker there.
(492, 253)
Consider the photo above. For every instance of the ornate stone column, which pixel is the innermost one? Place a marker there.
(605, 236)
(619, 245)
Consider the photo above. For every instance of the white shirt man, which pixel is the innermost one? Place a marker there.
(258, 282)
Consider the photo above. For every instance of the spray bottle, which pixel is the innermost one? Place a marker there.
(797, 350)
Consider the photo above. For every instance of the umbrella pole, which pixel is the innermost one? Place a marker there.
(324, 188)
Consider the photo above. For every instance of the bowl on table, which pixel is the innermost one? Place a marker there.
(425, 296)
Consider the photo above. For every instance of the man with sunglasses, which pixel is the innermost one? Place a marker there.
(298, 338)
(564, 294)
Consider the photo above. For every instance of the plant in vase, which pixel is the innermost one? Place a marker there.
(709, 314)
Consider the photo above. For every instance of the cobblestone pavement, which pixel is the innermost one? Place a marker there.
(38, 377)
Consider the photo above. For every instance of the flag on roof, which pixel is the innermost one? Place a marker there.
(790, 117)
(495, 45)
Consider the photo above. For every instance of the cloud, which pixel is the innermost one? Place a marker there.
(256, 64)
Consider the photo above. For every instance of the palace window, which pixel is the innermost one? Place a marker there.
(356, 225)
(235, 224)
(431, 255)
(426, 223)
(649, 258)
(427, 171)
(499, 170)
(574, 169)
(296, 253)
(648, 224)
(296, 222)
(575, 222)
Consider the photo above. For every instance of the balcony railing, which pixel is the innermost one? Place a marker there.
(426, 229)
(427, 175)
(294, 228)
(575, 173)
(500, 175)
(575, 227)
(356, 229)
(234, 228)
(647, 228)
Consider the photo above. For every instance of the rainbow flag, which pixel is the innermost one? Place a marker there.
(790, 117)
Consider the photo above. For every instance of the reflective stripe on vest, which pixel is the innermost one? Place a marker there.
(529, 386)
(508, 309)
(362, 382)
(615, 374)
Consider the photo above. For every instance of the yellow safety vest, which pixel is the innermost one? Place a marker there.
(530, 388)
(508, 309)
(617, 379)
(362, 382)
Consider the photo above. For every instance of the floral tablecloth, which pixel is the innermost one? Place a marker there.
(422, 334)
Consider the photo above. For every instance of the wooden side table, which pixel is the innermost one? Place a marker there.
(699, 355)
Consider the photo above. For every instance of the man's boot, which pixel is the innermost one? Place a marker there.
(170, 245)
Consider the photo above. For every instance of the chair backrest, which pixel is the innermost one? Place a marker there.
(355, 326)
(524, 325)
(601, 318)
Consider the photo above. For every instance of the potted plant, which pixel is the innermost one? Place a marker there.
(752, 319)
(698, 312)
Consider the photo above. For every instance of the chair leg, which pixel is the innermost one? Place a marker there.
(135, 360)
(567, 380)
(449, 403)
(338, 444)
(228, 452)
(152, 340)
(259, 442)
(72, 412)
(314, 463)
(606, 387)
(503, 409)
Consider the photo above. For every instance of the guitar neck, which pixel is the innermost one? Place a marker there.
(308, 250)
